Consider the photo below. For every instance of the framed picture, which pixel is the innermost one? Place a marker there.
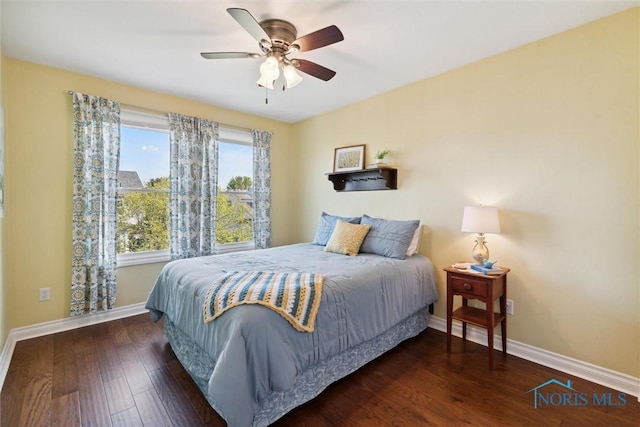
(348, 158)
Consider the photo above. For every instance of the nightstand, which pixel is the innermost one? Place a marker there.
(480, 287)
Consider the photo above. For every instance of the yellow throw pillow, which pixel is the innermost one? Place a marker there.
(347, 238)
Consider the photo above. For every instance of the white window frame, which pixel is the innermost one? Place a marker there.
(157, 122)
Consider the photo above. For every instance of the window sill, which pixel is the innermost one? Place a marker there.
(152, 257)
(235, 247)
(138, 258)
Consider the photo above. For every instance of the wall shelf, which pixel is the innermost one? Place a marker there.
(378, 178)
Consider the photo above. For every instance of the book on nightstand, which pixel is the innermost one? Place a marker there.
(485, 270)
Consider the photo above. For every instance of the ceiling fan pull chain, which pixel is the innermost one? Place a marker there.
(266, 96)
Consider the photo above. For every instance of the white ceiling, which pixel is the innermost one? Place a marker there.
(388, 44)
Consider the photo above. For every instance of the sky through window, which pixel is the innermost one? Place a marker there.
(147, 153)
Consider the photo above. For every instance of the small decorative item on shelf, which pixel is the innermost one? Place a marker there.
(380, 156)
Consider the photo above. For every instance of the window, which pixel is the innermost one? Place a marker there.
(234, 212)
(143, 190)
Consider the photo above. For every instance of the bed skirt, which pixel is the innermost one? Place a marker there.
(310, 382)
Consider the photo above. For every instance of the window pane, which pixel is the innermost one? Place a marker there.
(234, 160)
(234, 213)
(143, 221)
(143, 217)
(144, 151)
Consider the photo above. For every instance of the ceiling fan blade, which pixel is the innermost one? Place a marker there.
(228, 55)
(314, 69)
(249, 23)
(320, 38)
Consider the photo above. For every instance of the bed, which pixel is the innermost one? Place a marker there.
(251, 364)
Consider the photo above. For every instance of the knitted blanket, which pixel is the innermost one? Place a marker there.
(295, 296)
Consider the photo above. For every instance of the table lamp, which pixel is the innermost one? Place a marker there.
(480, 220)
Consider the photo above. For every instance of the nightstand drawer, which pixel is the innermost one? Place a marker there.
(466, 285)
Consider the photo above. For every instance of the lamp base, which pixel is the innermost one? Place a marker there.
(480, 251)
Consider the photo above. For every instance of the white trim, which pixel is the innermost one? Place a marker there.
(146, 257)
(55, 326)
(235, 247)
(233, 135)
(144, 120)
(599, 375)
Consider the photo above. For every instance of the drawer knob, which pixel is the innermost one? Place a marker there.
(467, 286)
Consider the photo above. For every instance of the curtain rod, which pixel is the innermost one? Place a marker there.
(164, 113)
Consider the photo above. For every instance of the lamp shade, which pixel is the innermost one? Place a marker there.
(480, 219)
(291, 76)
(269, 68)
(265, 82)
(269, 72)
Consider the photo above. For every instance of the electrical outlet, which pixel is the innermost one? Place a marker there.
(510, 306)
(45, 294)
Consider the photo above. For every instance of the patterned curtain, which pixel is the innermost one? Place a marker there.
(194, 185)
(96, 156)
(261, 188)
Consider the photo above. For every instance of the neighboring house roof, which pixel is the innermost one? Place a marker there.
(129, 179)
(245, 198)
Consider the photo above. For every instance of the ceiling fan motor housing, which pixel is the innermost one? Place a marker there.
(282, 34)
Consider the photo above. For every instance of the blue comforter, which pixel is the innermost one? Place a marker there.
(254, 350)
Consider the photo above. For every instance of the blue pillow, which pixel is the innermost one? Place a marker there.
(326, 226)
(388, 238)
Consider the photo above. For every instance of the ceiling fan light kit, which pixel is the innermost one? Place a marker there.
(277, 39)
(269, 72)
(291, 76)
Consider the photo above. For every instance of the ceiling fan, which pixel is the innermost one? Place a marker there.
(277, 39)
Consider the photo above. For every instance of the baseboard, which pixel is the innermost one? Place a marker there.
(603, 376)
(606, 377)
(40, 329)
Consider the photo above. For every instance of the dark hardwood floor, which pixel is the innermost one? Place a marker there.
(124, 373)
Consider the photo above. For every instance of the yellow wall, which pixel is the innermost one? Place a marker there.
(4, 330)
(39, 176)
(549, 133)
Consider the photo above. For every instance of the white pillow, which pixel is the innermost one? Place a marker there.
(415, 242)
